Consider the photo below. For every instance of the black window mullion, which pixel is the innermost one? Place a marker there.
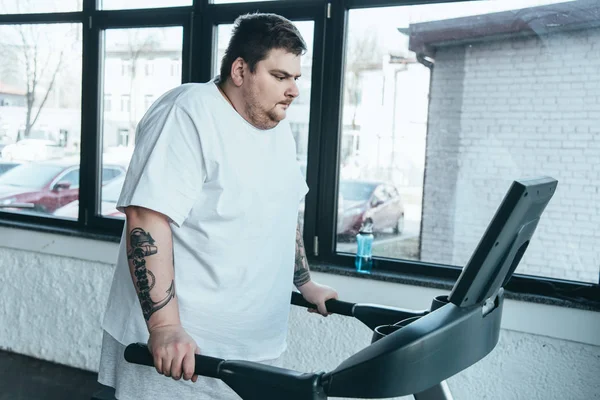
(89, 6)
(155, 17)
(315, 132)
(186, 51)
(18, 220)
(330, 127)
(44, 18)
(296, 10)
(203, 40)
(107, 225)
(90, 133)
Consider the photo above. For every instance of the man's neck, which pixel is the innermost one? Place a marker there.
(221, 87)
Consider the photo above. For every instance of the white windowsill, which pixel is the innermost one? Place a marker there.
(548, 320)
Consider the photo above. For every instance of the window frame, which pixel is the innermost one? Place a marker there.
(199, 23)
(580, 293)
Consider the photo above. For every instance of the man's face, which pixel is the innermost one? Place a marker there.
(270, 90)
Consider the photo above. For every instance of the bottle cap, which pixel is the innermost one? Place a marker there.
(367, 226)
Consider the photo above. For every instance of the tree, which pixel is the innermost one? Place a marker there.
(140, 43)
(34, 55)
(36, 67)
(363, 54)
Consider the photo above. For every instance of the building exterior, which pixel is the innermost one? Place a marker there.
(514, 94)
(11, 96)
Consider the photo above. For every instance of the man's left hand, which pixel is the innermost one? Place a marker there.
(317, 294)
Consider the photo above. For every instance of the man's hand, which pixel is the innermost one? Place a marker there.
(317, 295)
(173, 352)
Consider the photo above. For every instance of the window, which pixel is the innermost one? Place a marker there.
(42, 63)
(420, 119)
(126, 67)
(453, 105)
(110, 195)
(113, 177)
(149, 67)
(123, 139)
(383, 135)
(143, 47)
(176, 68)
(125, 103)
(300, 132)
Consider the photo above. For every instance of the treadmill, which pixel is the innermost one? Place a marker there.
(411, 352)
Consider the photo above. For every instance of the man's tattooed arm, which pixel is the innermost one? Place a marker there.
(301, 270)
(142, 246)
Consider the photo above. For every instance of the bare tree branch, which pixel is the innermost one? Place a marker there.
(25, 54)
(36, 56)
(50, 86)
(34, 80)
(136, 50)
(363, 53)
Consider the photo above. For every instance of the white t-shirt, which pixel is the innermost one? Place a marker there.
(232, 193)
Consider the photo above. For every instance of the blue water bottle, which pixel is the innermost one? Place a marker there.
(364, 248)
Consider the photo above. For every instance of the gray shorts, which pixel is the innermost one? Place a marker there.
(139, 382)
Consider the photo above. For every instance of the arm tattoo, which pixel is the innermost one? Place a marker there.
(141, 246)
(301, 272)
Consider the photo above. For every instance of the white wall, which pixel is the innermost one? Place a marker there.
(54, 289)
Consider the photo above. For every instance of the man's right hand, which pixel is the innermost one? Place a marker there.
(173, 352)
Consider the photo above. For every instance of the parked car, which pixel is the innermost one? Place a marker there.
(302, 206)
(5, 166)
(110, 195)
(47, 185)
(379, 201)
(32, 150)
(340, 209)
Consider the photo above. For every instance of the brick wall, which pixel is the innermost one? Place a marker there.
(507, 109)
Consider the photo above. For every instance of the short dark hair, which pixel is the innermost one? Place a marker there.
(254, 35)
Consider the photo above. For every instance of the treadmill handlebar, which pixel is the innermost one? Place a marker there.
(138, 353)
(333, 306)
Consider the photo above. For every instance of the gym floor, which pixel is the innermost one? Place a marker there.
(26, 378)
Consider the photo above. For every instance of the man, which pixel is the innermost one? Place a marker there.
(211, 242)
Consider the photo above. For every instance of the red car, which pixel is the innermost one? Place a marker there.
(47, 185)
(381, 202)
(110, 195)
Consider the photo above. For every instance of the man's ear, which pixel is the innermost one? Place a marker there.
(238, 71)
